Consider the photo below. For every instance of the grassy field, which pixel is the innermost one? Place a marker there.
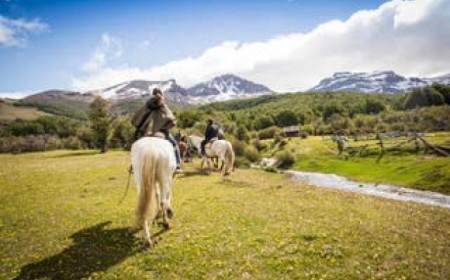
(60, 219)
(10, 112)
(404, 168)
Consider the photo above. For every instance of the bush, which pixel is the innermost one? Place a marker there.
(241, 162)
(268, 133)
(282, 143)
(238, 147)
(251, 154)
(71, 143)
(259, 145)
(285, 160)
(303, 134)
(30, 143)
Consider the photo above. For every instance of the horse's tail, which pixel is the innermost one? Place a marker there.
(229, 157)
(146, 206)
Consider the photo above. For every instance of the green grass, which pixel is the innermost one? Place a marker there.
(60, 106)
(60, 219)
(9, 112)
(405, 168)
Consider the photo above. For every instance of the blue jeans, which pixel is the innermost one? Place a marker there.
(175, 147)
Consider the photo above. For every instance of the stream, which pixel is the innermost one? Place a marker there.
(387, 191)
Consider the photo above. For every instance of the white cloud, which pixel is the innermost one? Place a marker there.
(108, 49)
(14, 32)
(409, 37)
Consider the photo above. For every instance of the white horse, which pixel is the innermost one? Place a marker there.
(222, 149)
(154, 164)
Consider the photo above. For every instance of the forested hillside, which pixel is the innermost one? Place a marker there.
(424, 109)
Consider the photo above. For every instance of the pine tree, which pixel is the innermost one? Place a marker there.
(101, 123)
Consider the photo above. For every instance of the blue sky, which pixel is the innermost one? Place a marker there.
(77, 44)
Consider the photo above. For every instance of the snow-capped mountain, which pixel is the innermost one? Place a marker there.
(380, 81)
(223, 87)
(445, 79)
(142, 88)
(226, 87)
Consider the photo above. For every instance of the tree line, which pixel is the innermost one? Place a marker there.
(423, 109)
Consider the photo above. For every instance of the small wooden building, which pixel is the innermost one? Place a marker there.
(291, 131)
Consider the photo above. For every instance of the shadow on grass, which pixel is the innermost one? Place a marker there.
(192, 173)
(95, 249)
(79, 153)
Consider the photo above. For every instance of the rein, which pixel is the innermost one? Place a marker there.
(130, 171)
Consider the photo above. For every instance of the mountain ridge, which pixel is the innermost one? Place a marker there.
(377, 81)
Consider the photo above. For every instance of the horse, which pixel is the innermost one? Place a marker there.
(153, 162)
(222, 149)
(184, 151)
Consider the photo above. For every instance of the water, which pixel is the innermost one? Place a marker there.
(388, 191)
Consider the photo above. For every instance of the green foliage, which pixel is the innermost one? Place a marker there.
(444, 90)
(373, 107)
(100, 122)
(123, 132)
(285, 160)
(286, 118)
(263, 122)
(423, 97)
(187, 118)
(332, 109)
(252, 154)
(59, 106)
(259, 145)
(238, 147)
(268, 133)
(242, 134)
(60, 126)
(128, 107)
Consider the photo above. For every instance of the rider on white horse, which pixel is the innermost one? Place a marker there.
(155, 119)
(211, 132)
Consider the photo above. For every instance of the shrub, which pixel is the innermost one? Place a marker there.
(268, 133)
(71, 143)
(251, 154)
(241, 162)
(259, 145)
(238, 147)
(285, 160)
(304, 134)
(282, 143)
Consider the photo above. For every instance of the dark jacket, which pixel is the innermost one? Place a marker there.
(211, 132)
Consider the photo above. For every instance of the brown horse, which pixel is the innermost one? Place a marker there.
(184, 151)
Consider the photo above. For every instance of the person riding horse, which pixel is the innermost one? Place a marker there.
(211, 132)
(155, 119)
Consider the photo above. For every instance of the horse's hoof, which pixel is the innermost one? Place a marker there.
(166, 226)
(148, 244)
(169, 213)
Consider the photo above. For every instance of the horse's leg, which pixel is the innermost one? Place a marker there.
(148, 243)
(209, 165)
(203, 162)
(166, 207)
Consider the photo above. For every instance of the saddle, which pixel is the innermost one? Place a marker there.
(158, 134)
(210, 142)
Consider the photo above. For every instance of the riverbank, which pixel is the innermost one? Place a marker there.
(334, 181)
(405, 168)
